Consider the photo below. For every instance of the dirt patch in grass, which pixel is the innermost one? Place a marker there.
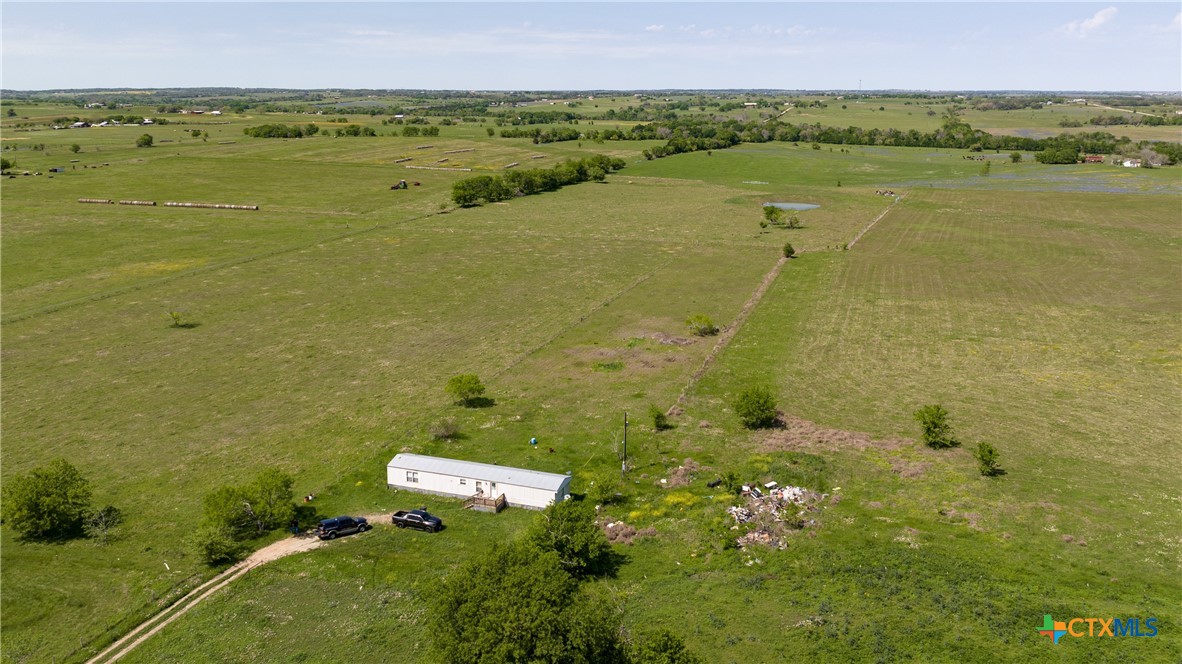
(668, 340)
(909, 469)
(796, 433)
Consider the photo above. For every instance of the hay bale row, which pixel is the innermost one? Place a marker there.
(538, 156)
(439, 168)
(440, 161)
(152, 203)
(458, 151)
(219, 206)
(105, 201)
(399, 161)
(512, 165)
(423, 147)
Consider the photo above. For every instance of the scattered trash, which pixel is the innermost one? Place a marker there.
(772, 516)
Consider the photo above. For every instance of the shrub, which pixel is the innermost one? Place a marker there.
(937, 431)
(466, 389)
(445, 429)
(661, 647)
(789, 252)
(100, 522)
(660, 419)
(756, 408)
(144, 141)
(701, 325)
(604, 488)
(987, 458)
(51, 502)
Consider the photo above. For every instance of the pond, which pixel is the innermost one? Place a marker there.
(793, 206)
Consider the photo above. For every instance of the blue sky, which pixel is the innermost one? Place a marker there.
(612, 45)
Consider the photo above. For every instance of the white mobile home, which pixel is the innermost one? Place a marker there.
(467, 479)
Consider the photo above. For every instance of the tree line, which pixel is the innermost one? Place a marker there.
(493, 188)
(544, 136)
(693, 133)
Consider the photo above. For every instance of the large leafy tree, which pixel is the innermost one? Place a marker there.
(568, 529)
(517, 604)
(235, 513)
(51, 502)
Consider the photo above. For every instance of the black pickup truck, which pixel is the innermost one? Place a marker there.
(417, 519)
(342, 525)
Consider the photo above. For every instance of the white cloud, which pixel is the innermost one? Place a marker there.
(654, 28)
(1082, 28)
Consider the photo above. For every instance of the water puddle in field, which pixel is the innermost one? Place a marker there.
(793, 206)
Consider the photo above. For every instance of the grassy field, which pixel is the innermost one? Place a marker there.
(1046, 321)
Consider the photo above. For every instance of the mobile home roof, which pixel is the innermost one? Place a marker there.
(479, 471)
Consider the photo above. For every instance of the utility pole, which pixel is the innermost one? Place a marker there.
(624, 461)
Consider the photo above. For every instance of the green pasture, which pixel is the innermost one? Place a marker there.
(327, 322)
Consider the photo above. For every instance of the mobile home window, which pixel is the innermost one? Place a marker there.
(463, 482)
(412, 476)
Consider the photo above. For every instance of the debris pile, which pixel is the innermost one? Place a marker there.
(773, 512)
(618, 532)
(683, 474)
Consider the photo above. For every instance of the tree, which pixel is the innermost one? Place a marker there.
(224, 510)
(491, 132)
(568, 529)
(466, 389)
(253, 509)
(272, 496)
(6, 164)
(987, 458)
(985, 169)
(660, 419)
(216, 544)
(51, 502)
(937, 431)
(756, 408)
(789, 252)
(144, 141)
(1016, 157)
(516, 604)
(701, 325)
(661, 646)
(75, 148)
(773, 215)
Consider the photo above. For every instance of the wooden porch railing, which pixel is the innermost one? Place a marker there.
(485, 504)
